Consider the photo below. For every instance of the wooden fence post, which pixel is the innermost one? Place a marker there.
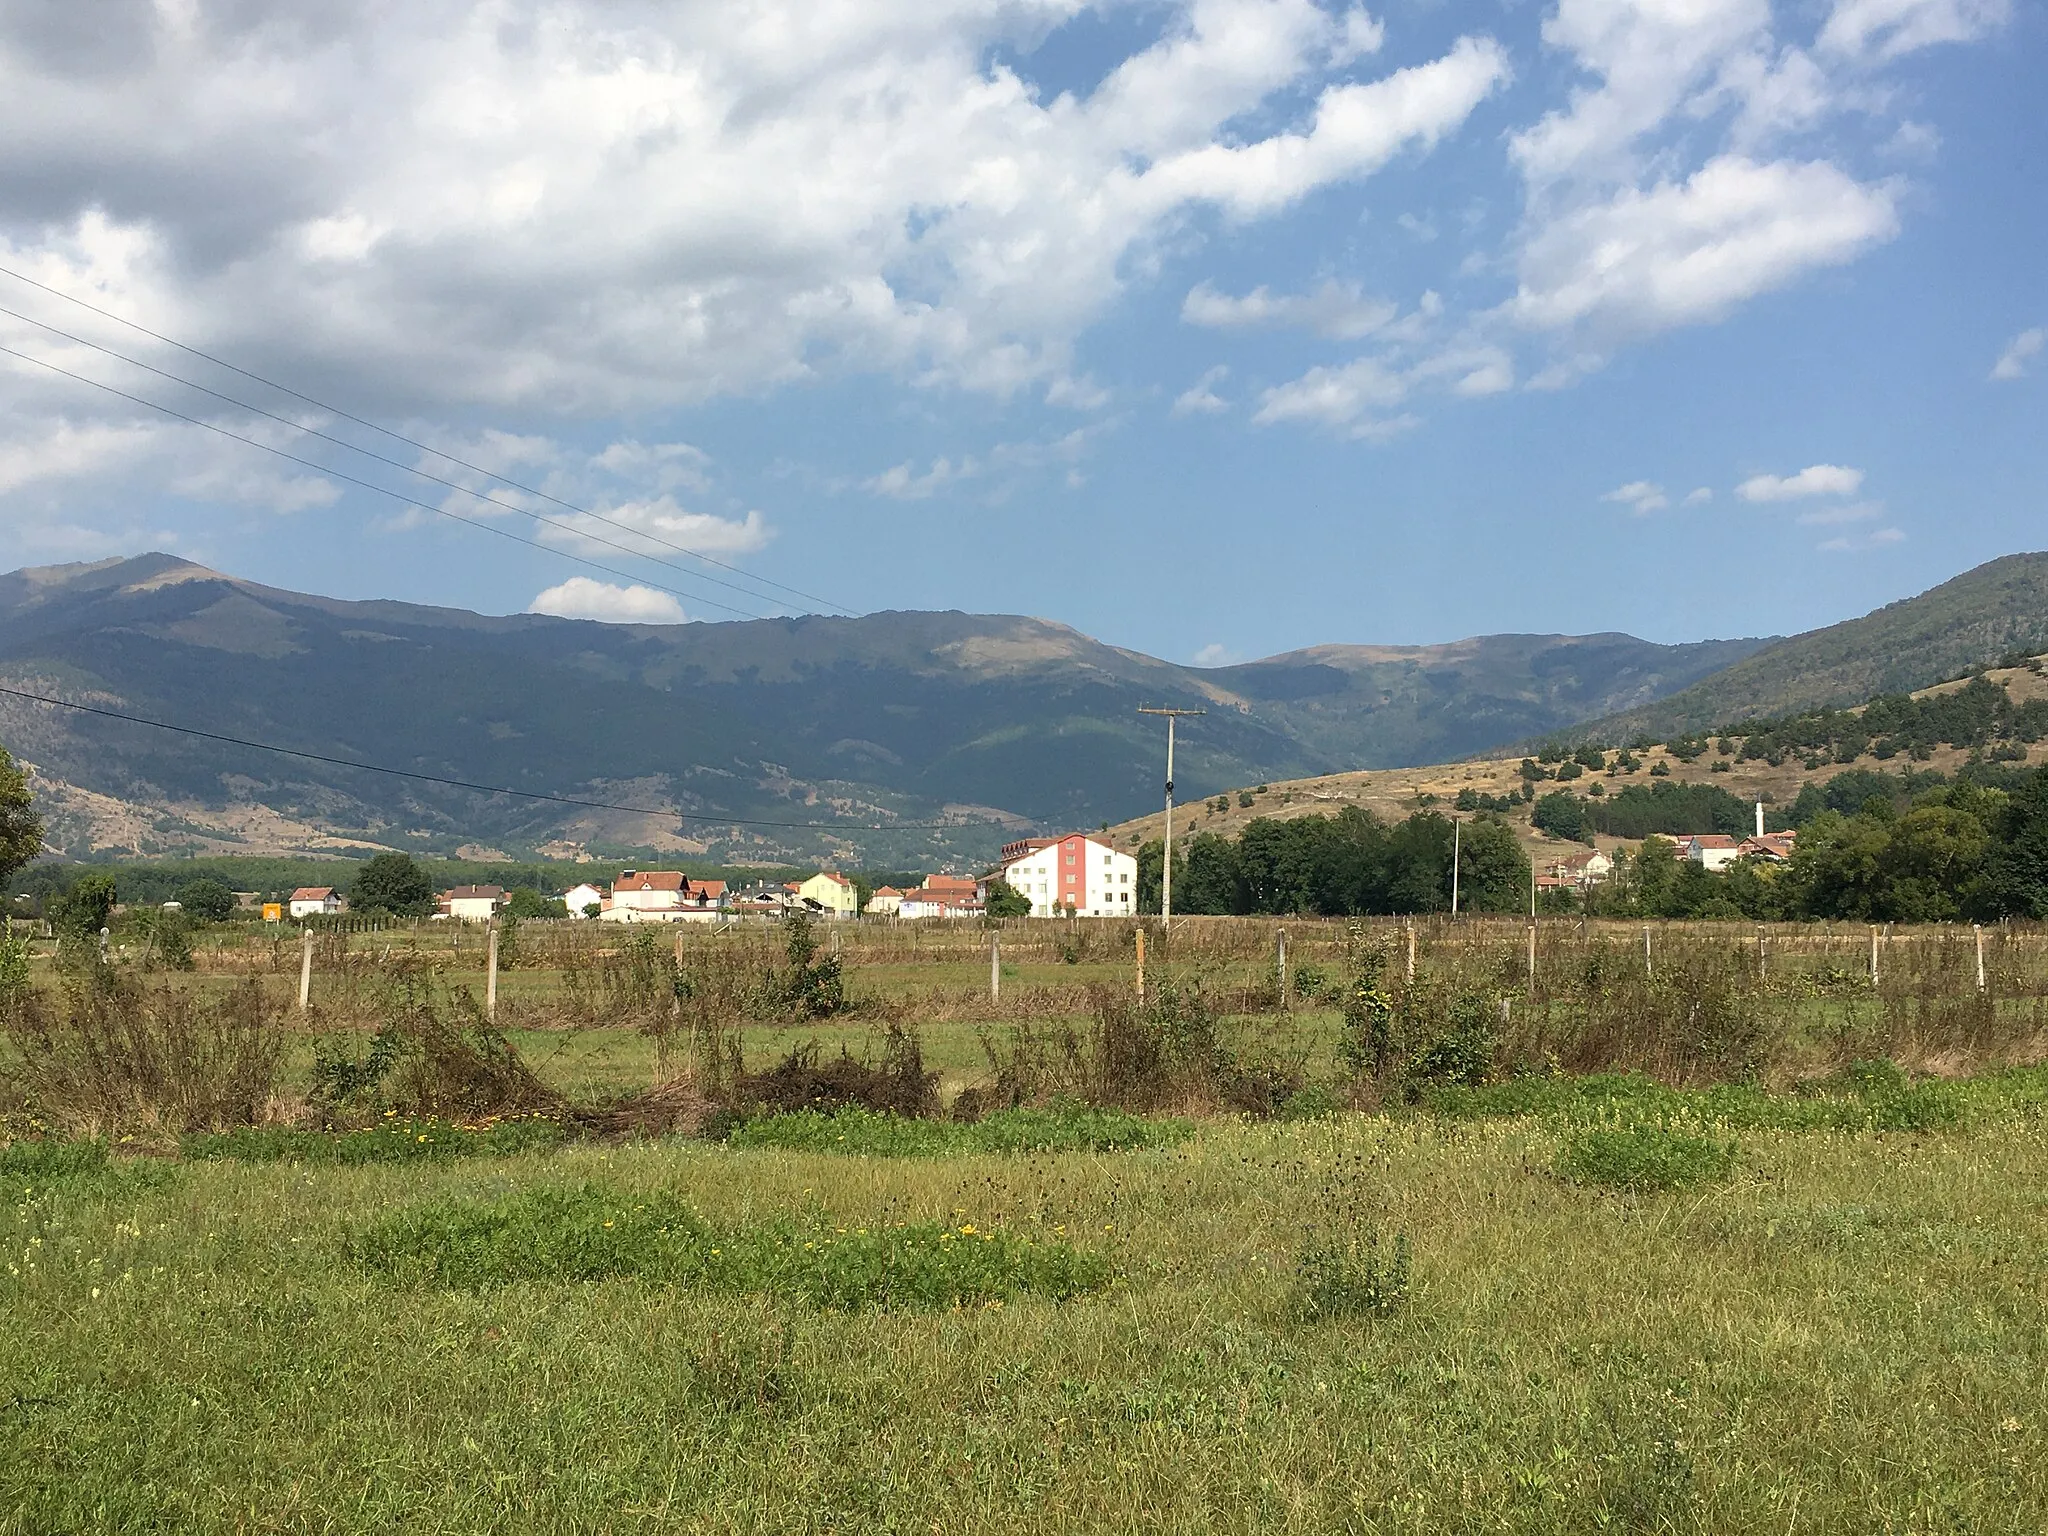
(305, 969)
(1978, 929)
(1873, 954)
(1411, 949)
(1280, 961)
(1532, 957)
(1647, 971)
(995, 965)
(491, 973)
(1141, 965)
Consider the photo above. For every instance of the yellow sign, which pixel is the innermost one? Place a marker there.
(273, 911)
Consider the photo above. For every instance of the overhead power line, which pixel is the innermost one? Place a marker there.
(385, 490)
(488, 789)
(442, 454)
(402, 466)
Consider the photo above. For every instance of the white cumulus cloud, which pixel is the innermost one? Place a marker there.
(582, 597)
(1641, 497)
(1885, 29)
(1200, 398)
(2019, 352)
(1814, 480)
(1679, 253)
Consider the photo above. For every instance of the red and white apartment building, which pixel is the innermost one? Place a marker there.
(1076, 873)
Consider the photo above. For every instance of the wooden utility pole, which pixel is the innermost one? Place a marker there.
(1166, 866)
(491, 973)
(1457, 831)
(305, 968)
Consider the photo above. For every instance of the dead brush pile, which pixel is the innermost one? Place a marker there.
(110, 1054)
(1169, 1051)
(434, 1054)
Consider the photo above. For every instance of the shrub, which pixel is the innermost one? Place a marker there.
(814, 987)
(1459, 1049)
(13, 968)
(1351, 1277)
(1642, 1159)
(111, 1054)
(592, 1233)
(1366, 1044)
(1315, 1102)
(1309, 980)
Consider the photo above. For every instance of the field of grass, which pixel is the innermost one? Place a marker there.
(1840, 1332)
(1709, 1249)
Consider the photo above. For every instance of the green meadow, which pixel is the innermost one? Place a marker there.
(1723, 1249)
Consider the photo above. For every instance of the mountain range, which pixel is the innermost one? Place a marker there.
(916, 737)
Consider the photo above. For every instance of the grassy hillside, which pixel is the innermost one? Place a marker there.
(1394, 793)
(1998, 609)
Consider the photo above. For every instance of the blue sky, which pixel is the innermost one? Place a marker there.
(1212, 329)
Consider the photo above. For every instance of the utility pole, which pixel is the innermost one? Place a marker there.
(1166, 868)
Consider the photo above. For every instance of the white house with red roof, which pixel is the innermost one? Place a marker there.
(316, 901)
(1075, 873)
(1713, 851)
(943, 896)
(663, 896)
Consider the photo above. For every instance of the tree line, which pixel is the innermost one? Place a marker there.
(1348, 864)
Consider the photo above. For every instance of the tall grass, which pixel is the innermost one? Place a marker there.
(111, 1053)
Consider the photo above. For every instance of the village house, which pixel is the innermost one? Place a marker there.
(832, 892)
(1581, 869)
(886, 902)
(1713, 851)
(1076, 873)
(472, 903)
(1770, 847)
(316, 901)
(662, 896)
(762, 900)
(943, 896)
(579, 899)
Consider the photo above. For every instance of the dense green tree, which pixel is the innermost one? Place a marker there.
(206, 900)
(2016, 867)
(84, 908)
(1211, 880)
(523, 901)
(21, 829)
(392, 883)
(1493, 872)
(1562, 814)
(1005, 900)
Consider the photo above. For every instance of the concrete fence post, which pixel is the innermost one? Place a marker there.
(305, 969)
